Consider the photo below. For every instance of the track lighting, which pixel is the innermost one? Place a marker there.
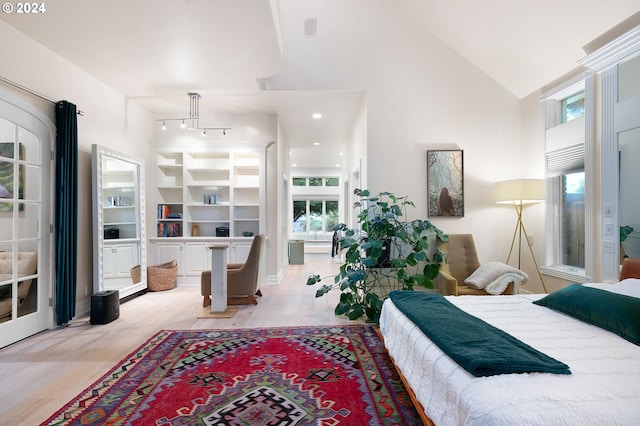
(194, 116)
(204, 130)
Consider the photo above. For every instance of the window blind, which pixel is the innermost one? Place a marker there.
(566, 160)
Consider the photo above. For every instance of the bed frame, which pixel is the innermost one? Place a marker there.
(421, 411)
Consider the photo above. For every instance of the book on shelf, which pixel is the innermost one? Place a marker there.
(163, 211)
(169, 230)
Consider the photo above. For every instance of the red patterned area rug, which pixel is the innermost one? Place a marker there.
(273, 376)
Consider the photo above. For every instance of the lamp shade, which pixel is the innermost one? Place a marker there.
(520, 191)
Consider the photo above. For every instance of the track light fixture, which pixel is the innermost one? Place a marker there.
(204, 130)
(194, 117)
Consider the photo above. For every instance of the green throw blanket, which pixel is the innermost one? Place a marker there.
(478, 347)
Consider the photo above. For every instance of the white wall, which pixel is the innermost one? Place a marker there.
(109, 120)
(356, 155)
(533, 167)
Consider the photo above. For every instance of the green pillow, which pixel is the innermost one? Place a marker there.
(614, 312)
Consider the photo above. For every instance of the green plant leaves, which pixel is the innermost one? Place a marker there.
(323, 290)
(313, 279)
(364, 280)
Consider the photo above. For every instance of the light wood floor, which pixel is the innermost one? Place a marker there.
(40, 374)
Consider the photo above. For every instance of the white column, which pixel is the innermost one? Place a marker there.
(218, 278)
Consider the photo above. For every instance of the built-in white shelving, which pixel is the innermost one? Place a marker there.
(207, 193)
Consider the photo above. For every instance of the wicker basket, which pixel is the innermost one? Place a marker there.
(162, 277)
(135, 274)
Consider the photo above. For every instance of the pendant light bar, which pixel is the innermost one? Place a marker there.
(194, 116)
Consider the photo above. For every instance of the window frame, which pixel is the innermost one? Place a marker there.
(308, 201)
(552, 107)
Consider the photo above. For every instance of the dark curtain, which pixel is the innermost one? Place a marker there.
(66, 210)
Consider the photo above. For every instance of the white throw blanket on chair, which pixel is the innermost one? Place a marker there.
(494, 277)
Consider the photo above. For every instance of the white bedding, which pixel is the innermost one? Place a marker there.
(603, 389)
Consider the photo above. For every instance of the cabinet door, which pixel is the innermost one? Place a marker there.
(166, 252)
(240, 252)
(126, 257)
(198, 258)
(108, 262)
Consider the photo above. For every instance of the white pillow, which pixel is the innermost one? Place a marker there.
(628, 287)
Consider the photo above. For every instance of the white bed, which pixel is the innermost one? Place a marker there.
(603, 389)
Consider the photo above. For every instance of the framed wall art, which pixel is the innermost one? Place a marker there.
(445, 183)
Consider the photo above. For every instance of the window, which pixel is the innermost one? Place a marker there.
(572, 107)
(299, 216)
(565, 229)
(331, 215)
(316, 181)
(565, 174)
(572, 214)
(316, 218)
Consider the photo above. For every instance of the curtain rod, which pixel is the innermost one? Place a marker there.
(32, 92)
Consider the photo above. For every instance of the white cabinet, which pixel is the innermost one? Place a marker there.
(198, 258)
(206, 194)
(168, 187)
(246, 194)
(167, 251)
(194, 255)
(205, 191)
(118, 259)
(239, 252)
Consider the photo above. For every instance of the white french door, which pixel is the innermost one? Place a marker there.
(26, 190)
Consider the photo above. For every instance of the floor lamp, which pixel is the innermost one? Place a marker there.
(520, 192)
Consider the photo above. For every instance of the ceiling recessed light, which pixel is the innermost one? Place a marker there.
(316, 115)
(316, 143)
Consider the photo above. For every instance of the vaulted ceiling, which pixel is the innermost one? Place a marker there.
(155, 51)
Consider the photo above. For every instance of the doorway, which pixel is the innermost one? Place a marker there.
(26, 185)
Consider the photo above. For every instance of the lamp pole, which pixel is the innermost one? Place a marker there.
(519, 229)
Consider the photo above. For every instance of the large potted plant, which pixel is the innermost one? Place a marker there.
(387, 252)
